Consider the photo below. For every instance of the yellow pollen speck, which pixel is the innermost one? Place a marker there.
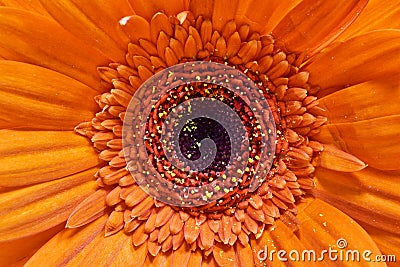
(209, 194)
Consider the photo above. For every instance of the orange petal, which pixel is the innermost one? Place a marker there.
(279, 12)
(255, 13)
(369, 196)
(202, 8)
(32, 5)
(147, 8)
(378, 14)
(363, 101)
(101, 251)
(34, 157)
(94, 248)
(181, 256)
(55, 101)
(279, 237)
(129, 254)
(374, 141)
(244, 255)
(389, 244)
(135, 28)
(335, 159)
(88, 210)
(323, 226)
(333, 69)
(206, 236)
(161, 260)
(160, 23)
(95, 24)
(224, 255)
(17, 252)
(196, 259)
(62, 248)
(35, 39)
(191, 230)
(223, 11)
(312, 25)
(37, 208)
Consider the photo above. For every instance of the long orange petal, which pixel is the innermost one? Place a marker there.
(369, 196)
(196, 259)
(244, 255)
(38, 98)
(282, 9)
(88, 210)
(202, 8)
(102, 251)
(32, 5)
(312, 25)
(35, 39)
(333, 70)
(129, 255)
(323, 225)
(62, 248)
(34, 157)
(223, 11)
(95, 24)
(279, 237)
(335, 159)
(255, 13)
(17, 252)
(389, 244)
(368, 100)
(37, 208)
(147, 8)
(181, 256)
(378, 15)
(375, 141)
(224, 255)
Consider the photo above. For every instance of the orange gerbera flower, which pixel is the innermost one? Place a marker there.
(328, 71)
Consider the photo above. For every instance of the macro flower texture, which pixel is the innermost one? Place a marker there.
(74, 190)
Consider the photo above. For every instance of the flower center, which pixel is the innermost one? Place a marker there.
(218, 142)
(209, 134)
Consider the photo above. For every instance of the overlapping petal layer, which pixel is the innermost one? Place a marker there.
(374, 141)
(31, 5)
(312, 25)
(378, 14)
(95, 24)
(369, 196)
(31, 38)
(56, 101)
(356, 61)
(147, 8)
(31, 157)
(37, 208)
